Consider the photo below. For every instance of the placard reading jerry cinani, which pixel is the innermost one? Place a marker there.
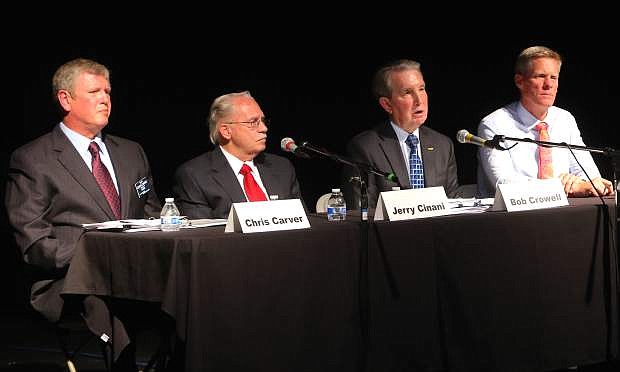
(535, 194)
(267, 216)
(412, 203)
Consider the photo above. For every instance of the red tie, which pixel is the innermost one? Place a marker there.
(252, 190)
(545, 162)
(104, 180)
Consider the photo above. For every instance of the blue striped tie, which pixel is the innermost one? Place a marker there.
(416, 170)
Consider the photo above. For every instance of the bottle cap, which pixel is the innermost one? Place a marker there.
(169, 200)
(335, 190)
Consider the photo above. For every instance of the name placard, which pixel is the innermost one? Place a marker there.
(412, 203)
(535, 194)
(263, 216)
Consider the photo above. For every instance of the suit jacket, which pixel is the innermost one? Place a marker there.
(206, 186)
(51, 192)
(379, 147)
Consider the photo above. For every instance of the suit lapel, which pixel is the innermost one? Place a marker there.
(119, 160)
(268, 175)
(394, 155)
(226, 177)
(75, 166)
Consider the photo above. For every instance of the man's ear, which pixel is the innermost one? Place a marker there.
(518, 79)
(225, 132)
(64, 98)
(386, 104)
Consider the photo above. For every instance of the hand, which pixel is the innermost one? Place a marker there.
(603, 186)
(573, 185)
(577, 187)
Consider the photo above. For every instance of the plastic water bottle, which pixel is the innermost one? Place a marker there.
(170, 219)
(336, 206)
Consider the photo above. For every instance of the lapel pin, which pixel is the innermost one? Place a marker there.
(430, 148)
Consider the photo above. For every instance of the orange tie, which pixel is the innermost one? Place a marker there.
(252, 190)
(545, 162)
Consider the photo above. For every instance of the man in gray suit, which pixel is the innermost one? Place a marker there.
(52, 190)
(416, 154)
(206, 186)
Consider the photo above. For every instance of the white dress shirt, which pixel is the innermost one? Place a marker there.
(402, 135)
(236, 165)
(521, 162)
(81, 144)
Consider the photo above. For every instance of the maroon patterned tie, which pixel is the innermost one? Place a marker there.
(252, 190)
(104, 180)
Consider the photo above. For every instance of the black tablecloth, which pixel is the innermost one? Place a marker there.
(532, 290)
(277, 301)
(496, 291)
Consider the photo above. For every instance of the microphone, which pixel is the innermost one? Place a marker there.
(463, 136)
(287, 144)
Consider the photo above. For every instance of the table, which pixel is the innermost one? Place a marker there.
(497, 291)
(278, 301)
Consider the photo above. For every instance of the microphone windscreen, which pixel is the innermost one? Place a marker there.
(461, 135)
(286, 143)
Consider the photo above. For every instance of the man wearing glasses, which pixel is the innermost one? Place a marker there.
(237, 170)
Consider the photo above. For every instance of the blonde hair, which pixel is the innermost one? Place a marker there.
(65, 75)
(525, 58)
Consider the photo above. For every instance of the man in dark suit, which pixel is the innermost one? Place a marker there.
(416, 154)
(206, 186)
(60, 181)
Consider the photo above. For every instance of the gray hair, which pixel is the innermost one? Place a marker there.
(382, 83)
(221, 107)
(64, 77)
(525, 58)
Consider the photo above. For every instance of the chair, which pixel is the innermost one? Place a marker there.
(75, 339)
(321, 203)
(72, 335)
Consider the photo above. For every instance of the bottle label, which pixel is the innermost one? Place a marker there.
(336, 213)
(170, 220)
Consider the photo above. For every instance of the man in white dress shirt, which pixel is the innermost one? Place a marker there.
(537, 73)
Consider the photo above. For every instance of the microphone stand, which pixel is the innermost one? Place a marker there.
(363, 169)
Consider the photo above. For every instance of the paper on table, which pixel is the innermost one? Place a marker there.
(205, 222)
(186, 224)
(470, 205)
(124, 225)
(138, 225)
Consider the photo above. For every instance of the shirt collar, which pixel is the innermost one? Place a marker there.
(527, 121)
(402, 134)
(236, 164)
(79, 141)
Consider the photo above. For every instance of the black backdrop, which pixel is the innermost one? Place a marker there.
(314, 85)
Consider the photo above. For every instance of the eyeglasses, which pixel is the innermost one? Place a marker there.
(253, 124)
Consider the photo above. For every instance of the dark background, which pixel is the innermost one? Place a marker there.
(311, 79)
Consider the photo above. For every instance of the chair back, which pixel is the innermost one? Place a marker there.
(321, 203)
